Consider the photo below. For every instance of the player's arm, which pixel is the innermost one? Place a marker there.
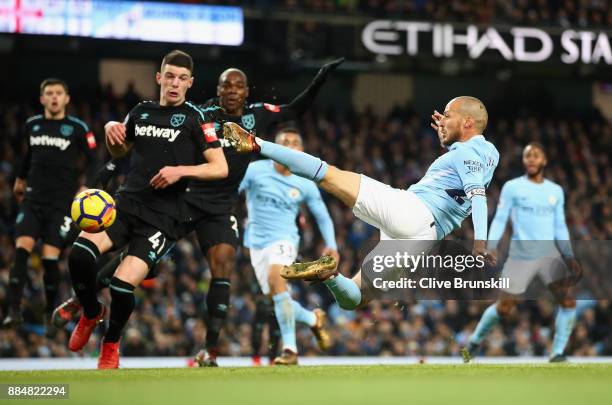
(19, 188)
(116, 134)
(498, 225)
(471, 171)
(562, 236)
(215, 167)
(305, 99)
(324, 221)
(89, 147)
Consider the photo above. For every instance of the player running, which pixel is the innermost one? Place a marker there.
(45, 186)
(168, 141)
(453, 186)
(535, 205)
(274, 196)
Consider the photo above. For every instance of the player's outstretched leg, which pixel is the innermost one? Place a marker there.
(130, 273)
(490, 318)
(82, 266)
(346, 291)
(342, 184)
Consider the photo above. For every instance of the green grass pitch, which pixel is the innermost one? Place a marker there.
(573, 384)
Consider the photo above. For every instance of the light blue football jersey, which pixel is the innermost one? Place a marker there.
(537, 214)
(273, 202)
(453, 178)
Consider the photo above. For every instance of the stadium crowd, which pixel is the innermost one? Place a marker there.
(564, 13)
(395, 149)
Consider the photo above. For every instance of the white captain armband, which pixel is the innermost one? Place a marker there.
(476, 191)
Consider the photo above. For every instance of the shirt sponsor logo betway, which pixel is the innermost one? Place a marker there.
(155, 132)
(46, 140)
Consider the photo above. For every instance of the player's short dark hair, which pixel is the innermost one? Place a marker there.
(538, 145)
(51, 81)
(287, 130)
(178, 58)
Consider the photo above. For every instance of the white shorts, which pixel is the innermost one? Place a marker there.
(282, 252)
(399, 214)
(522, 272)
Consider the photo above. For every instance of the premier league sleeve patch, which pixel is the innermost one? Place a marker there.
(210, 135)
(271, 107)
(91, 140)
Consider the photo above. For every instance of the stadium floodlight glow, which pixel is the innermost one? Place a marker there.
(121, 19)
(386, 37)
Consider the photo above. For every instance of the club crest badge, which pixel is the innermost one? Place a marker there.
(66, 130)
(177, 120)
(248, 121)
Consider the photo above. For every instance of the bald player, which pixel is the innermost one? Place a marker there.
(453, 186)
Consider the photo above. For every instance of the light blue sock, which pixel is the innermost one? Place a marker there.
(303, 315)
(489, 319)
(283, 309)
(345, 290)
(564, 325)
(299, 163)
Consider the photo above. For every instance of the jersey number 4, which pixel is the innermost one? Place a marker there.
(155, 242)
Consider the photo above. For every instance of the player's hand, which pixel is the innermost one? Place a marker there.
(332, 252)
(115, 133)
(19, 189)
(328, 68)
(166, 176)
(436, 117)
(575, 268)
(480, 249)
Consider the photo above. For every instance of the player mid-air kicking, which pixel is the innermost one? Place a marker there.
(429, 210)
(274, 197)
(535, 205)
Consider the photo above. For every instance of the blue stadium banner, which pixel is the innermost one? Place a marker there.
(130, 20)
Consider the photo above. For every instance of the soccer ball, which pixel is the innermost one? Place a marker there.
(93, 210)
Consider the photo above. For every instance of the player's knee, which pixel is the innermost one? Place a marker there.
(101, 240)
(276, 282)
(83, 250)
(25, 242)
(132, 270)
(222, 260)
